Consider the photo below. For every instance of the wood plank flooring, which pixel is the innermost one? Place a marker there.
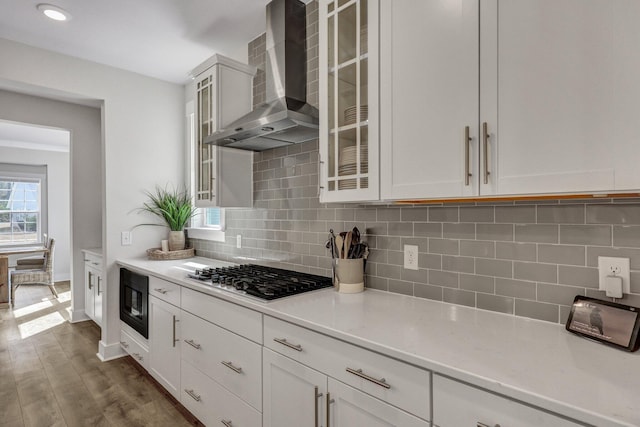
(50, 375)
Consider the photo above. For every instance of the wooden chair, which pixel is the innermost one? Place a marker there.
(41, 276)
(37, 262)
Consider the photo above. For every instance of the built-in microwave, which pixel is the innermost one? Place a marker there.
(134, 301)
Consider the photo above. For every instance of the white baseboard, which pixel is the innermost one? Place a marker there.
(108, 352)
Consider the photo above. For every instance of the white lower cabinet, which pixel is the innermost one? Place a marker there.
(212, 404)
(349, 407)
(457, 405)
(135, 348)
(231, 360)
(294, 394)
(298, 396)
(164, 344)
(94, 286)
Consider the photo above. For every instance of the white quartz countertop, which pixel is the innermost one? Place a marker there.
(537, 362)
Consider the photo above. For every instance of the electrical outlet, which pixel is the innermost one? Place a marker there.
(125, 238)
(238, 241)
(611, 266)
(411, 257)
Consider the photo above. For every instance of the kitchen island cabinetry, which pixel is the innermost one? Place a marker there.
(94, 286)
(348, 89)
(528, 98)
(222, 91)
(164, 344)
(456, 404)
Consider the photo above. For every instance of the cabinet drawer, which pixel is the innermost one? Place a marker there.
(229, 359)
(456, 404)
(212, 404)
(237, 319)
(93, 260)
(136, 350)
(398, 383)
(166, 291)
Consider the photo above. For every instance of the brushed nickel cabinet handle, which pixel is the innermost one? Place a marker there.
(99, 280)
(160, 290)
(467, 141)
(320, 163)
(193, 344)
(236, 369)
(485, 144)
(227, 423)
(137, 356)
(174, 331)
(124, 344)
(479, 424)
(316, 396)
(283, 341)
(358, 372)
(90, 285)
(193, 395)
(329, 402)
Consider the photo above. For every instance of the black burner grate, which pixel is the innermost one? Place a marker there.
(263, 282)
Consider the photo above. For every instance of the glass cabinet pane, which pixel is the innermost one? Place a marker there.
(347, 30)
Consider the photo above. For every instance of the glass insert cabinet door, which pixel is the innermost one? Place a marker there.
(205, 126)
(348, 67)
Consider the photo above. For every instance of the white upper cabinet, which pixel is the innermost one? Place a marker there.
(222, 91)
(555, 86)
(348, 88)
(428, 98)
(547, 89)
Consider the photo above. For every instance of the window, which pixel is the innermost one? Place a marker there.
(22, 196)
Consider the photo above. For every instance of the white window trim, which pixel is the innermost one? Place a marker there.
(198, 230)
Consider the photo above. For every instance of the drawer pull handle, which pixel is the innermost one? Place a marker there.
(358, 372)
(283, 341)
(479, 424)
(124, 344)
(194, 396)
(227, 423)
(137, 356)
(193, 344)
(236, 369)
(329, 402)
(160, 290)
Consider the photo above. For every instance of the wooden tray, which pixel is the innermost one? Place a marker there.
(157, 254)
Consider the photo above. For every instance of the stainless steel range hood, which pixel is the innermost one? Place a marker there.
(285, 118)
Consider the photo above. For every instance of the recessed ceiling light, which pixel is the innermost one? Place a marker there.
(54, 12)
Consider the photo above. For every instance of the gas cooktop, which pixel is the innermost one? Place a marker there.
(265, 283)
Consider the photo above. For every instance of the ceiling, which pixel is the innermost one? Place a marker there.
(159, 38)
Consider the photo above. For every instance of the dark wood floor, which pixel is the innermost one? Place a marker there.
(50, 375)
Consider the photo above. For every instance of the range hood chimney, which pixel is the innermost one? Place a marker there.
(285, 118)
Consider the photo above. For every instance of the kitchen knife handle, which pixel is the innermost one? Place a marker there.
(485, 145)
(467, 141)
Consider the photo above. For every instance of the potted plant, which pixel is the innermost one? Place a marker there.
(175, 208)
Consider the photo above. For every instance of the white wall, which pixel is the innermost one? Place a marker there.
(142, 125)
(59, 204)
